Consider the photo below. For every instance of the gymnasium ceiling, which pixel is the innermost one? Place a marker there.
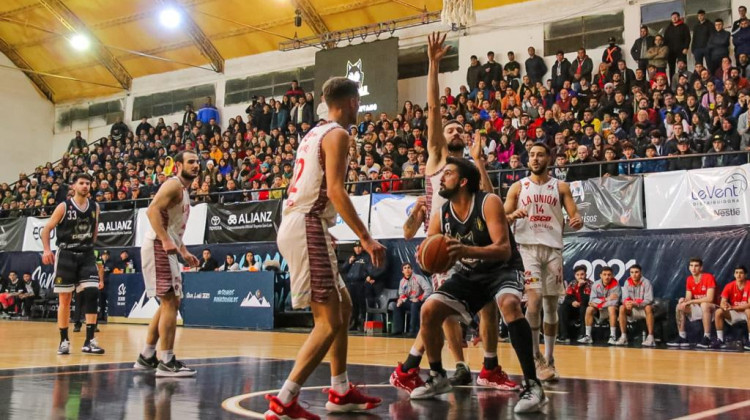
(34, 35)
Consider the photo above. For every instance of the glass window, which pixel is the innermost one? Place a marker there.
(590, 32)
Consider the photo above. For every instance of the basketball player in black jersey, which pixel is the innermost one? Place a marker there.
(488, 267)
(75, 264)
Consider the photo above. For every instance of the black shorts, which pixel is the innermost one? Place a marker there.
(75, 270)
(468, 292)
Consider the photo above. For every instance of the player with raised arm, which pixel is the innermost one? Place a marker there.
(535, 206)
(76, 268)
(168, 215)
(488, 270)
(316, 194)
(444, 141)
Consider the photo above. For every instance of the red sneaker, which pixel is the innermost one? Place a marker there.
(407, 381)
(293, 411)
(352, 400)
(496, 378)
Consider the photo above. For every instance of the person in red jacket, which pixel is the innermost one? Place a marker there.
(575, 303)
(391, 181)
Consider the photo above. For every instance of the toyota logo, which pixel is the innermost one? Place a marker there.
(215, 221)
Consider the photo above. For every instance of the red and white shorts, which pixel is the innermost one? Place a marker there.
(161, 271)
(306, 245)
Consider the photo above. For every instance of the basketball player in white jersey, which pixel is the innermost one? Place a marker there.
(444, 141)
(167, 214)
(315, 195)
(534, 206)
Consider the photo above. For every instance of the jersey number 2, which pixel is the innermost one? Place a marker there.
(298, 168)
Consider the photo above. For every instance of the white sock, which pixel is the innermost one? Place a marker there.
(549, 347)
(488, 355)
(707, 335)
(683, 334)
(535, 341)
(288, 392)
(650, 337)
(613, 331)
(720, 334)
(148, 351)
(588, 330)
(340, 383)
(415, 352)
(167, 355)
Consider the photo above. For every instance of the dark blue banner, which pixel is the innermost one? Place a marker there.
(663, 254)
(126, 295)
(228, 299)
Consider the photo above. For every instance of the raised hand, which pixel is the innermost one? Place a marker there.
(435, 46)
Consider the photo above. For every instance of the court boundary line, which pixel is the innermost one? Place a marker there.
(232, 404)
(715, 411)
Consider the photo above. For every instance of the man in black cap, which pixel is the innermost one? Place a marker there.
(612, 54)
(356, 270)
(685, 161)
(714, 160)
(701, 32)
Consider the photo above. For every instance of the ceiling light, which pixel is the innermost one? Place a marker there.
(80, 42)
(170, 18)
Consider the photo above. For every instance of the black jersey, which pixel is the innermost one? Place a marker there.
(473, 232)
(75, 232)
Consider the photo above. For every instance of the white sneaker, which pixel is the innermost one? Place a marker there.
(64, 347)
(540, 363)
(612, 341)
(622, 341)
(649, 342)
(435, 385)
(532, 399)
(586, 339)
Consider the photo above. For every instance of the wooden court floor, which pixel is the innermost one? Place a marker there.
(236, 368)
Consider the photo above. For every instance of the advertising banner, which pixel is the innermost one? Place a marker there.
(388, 214)
(127, 301)
(698, 198)
(229, 299)
(116, 228)
(27, 262)
(664, 255)
(609, 202)
(341, 231)
(11, 234)
(256, 221)
(32, 237)
(196, 225)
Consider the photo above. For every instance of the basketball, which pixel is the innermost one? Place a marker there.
(432, 254)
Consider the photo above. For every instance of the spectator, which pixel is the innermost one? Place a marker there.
(653, 165)
(229, 264)
(640, 48)
(612, 54)
(77, 142)
(413, 289)
(295, 90)
(610, 167)
(512, 70)
(574, 305)
(189, 117)
(493, 71)
(357, 270)
(658, 55)
(9, 293)
(474, 73)
(677, 40)
(208, 112)
(742, 10)
(30, 292)
(390, 182)
(741, 41)
(717, 47)
(119, 130)
(582, 67)
(249, 263)
(108, 267)
(698, 304)
(604, 299)
(629, 168)
(637, 304)
(702, 31)
(302, 113)
(208, 263)
(125, 265)
(684, 162)
(581, 168)
(734, 307)
(715, 160)
(560, 71)
(535, 66)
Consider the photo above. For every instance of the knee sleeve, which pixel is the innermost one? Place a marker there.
(90, 300)
(549, 305)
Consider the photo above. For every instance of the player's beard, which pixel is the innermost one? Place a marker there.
(542, 169)
(187, 175)
(456, 146)
(448, 193)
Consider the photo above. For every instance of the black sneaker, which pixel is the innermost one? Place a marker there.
(704, 343)
(462, 375)
(174, 368)
(77, 328)
(92, 347)
(746, 345)
(679, 342)
(146, 364)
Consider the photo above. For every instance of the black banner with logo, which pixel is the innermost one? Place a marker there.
(11, 234)
(116, 228)
(609, 202)
(257, 221)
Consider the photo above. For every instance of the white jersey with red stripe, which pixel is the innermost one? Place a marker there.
(307, 193)
(544, 223)
(434, 201)
(174, 220)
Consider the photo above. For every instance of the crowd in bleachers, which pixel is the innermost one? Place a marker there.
(596, 119)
